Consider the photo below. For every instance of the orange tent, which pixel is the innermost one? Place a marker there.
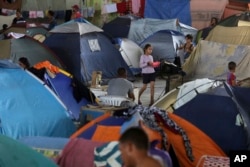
(200, 142)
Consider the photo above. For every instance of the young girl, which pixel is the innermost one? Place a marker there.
(148, 73)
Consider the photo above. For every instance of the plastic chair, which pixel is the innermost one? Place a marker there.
(112, 100)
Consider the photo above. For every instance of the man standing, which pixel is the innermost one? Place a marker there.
(120, 86)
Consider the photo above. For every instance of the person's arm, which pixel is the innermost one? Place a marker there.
(150, 63)
(143, 64)
(180, 47)
(190, 49)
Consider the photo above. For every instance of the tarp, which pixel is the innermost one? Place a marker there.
(210, 60)
(27, 47)
(15, 154)
(29, 108)
(203, 11)
(230, 35)
(143, 28)
(168, 9)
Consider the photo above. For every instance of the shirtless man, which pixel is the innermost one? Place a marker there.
(134, 147)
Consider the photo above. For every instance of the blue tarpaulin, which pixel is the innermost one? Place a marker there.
(168, 9)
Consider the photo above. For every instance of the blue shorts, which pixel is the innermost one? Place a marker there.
(147, 78)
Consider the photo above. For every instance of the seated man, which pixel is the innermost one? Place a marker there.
(134, 147)
(120, 86)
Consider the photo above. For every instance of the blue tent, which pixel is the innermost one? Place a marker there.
(84, 49)
(63, 87)
(164, 44)
(119, 27)
(219, 117)
(28, 107)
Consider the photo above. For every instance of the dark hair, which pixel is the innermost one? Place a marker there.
(51, 13)
(5, 26)
(231, 65)
(214, 18)
(146, 47)
(121, 71)
(25, 61)
(189, 36)
(137, 137)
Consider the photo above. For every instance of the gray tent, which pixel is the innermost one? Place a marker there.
(27, 47)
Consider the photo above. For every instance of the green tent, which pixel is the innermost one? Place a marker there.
(232, 21)
(15, 154)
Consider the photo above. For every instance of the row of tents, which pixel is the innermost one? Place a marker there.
(77, 56)
(92, 48)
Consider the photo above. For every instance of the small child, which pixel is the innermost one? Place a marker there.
(188, 47)
(231, 78)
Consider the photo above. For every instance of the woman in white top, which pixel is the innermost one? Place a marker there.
(148, 73)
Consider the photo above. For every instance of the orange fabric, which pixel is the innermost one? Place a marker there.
(47, 65)
(88, 125)
(152, 134)
(106, 133)
(200, 142)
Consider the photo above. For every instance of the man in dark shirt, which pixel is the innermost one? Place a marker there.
(18, 18)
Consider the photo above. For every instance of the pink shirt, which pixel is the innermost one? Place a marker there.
(146, 69)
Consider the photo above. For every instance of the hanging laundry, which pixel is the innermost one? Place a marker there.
(109, 8)
(136, 4)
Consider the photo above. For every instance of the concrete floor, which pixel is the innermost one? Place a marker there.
(160, 85)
